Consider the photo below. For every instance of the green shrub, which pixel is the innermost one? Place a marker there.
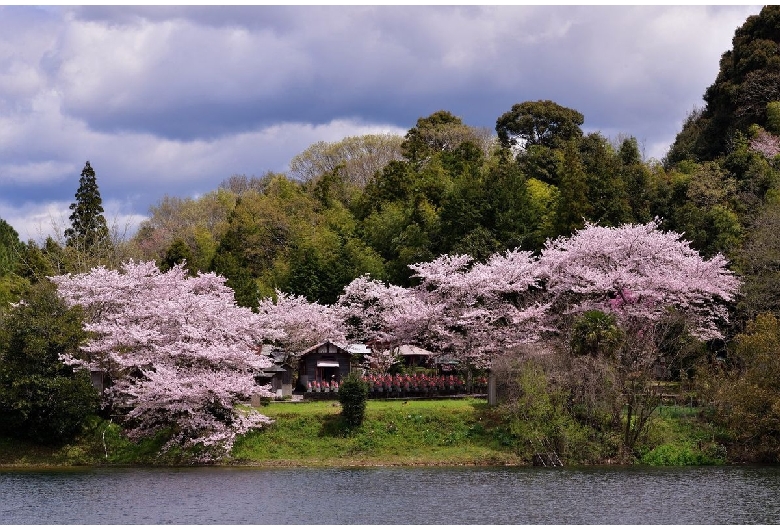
(41, 398)
(773, 117)
(353, 394)
(678, 455)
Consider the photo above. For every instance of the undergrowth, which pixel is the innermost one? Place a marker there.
(395, 432)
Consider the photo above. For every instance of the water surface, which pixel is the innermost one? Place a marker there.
(631, 495)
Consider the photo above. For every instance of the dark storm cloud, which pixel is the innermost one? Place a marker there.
(318, 65)
(205, 72)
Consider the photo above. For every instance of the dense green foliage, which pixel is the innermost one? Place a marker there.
(353, 395)
(41, 398)
(9, 248)
(745, 394)
(749, 80)
(11, 283)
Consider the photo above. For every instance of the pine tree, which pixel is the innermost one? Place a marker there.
(88, 230)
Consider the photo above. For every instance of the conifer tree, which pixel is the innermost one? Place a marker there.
(88, 230)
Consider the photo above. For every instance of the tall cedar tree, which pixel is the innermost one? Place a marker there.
(10, 246)
(88, 225)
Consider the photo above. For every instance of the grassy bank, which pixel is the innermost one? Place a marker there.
(395, 432)
(424, 432)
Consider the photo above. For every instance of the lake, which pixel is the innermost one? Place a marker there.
(463, 495)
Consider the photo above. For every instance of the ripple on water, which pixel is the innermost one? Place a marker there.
(463, 495)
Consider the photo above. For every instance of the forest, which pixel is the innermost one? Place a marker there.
(594, 276)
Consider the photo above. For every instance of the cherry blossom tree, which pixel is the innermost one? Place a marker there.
(180, 352)
(480, 309)
(472, 310)
(298, 324)
(639, 272)
(651, 283)
(380, 314)
(654, 284)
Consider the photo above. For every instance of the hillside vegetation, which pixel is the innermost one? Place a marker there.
(385, 206)
(395, 433)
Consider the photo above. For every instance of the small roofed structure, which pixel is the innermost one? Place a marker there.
(413, 355)
(326, 362)
(446, 363)
(279, 374)
(359, 352)
(359, 349)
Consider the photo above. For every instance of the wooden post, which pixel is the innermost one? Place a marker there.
(492, 397)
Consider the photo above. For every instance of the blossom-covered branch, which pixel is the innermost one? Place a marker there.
(179, 350)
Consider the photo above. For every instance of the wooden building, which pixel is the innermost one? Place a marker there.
(279, 374)
(325, 362)
(413, 356)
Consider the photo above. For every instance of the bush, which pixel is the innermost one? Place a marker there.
(678, 455)
(353, 394)
(41, 398)
(746, 400)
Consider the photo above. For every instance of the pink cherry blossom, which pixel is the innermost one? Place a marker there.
(472, 310)
(766, 144)
(638, 271)
(178, 349)
(295, 324)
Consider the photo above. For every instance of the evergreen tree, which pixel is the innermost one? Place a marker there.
(238, 278)
(9, 248)
(748, 81)
(178, 253)
(88, 230)
(41, 398)
(11, 284)
(606, 188)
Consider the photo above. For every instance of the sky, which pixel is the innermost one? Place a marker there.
(174, 100)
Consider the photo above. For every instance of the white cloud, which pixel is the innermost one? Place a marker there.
(36, 221)
(34, 172)
(135, 170)
(174, 100)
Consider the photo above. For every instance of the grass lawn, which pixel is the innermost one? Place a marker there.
(395, 432)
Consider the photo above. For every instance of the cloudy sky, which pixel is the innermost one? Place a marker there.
(173, 100)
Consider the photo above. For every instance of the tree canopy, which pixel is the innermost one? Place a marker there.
(543, 123)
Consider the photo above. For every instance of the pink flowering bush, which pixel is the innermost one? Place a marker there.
(180, 352)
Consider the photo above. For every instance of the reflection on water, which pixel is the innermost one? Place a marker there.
(706, 495)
